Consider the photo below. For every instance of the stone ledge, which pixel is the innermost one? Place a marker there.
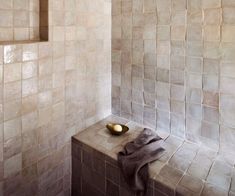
(185, 169)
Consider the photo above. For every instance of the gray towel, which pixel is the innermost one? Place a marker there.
(135, 157)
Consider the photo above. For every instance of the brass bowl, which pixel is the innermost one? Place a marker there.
(110, 127)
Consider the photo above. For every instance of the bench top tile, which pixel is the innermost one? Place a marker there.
(183, 162)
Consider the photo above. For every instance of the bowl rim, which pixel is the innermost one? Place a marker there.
(112, 131)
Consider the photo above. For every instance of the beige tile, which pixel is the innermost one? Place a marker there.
(211, 3)
(212, 50)
(228, 3)
(6, 18)
(179, 5)
(226, 85)
(12, 128)
(211, 114)
(149, 32)
(12, 72)
(45, 50)
(195, 49)
(194, 65)
(211, 66)
(12, 53)
(195, 81)
(30, 52)
(178, 32)
(44, 99)
(45, 66)
(227, 69)
(227, 50)
(12, 91)
(227, 33)
(29, 104)
(210, 82)
(194, 33)
(29, 87)
(149, 6)
(29, 122)
(227, 105)
(45, 83)
(29, 139)
(12, 109)
(12, 165)
(195, 17)
(45, 116)
(6, 34)
(6, 4)
(127, 6)
(21, 19)
(21, 4)
(21, 34)
(58, 34)
(179, 17)
(34, 5)
(29, 69)
(163, 32)
(228, 15)
(212, 33)
(213, 16)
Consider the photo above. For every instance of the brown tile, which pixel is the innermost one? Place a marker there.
(13, 184)
(30, 173)
(111, 188)
(193, 184)
(112, 173)
(213, 190)
(93, 178)
(165, 186)
(173, 175)
(211, 99)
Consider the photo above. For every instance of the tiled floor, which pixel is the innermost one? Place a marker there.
(185, 169)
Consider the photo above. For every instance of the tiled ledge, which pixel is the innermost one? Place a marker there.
(186, 168)
(5, 43)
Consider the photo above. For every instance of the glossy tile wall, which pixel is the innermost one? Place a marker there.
(48, 92)
(173, 67)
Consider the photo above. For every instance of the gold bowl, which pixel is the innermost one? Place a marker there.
(117, 129)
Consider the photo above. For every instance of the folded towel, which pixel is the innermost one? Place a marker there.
(136, 156)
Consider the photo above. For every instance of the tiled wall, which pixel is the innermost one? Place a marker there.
(22, 20)
(173, 67)
(48, 92)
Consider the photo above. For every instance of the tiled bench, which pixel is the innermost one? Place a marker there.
(186, 168)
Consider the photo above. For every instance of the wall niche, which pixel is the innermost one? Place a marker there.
(23, 21)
